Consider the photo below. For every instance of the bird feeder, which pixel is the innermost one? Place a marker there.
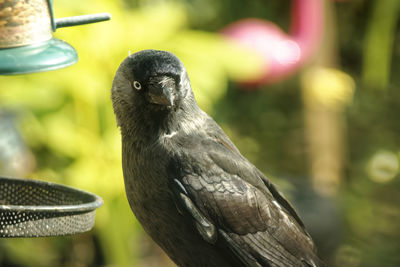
(26, 41)
(31, 208)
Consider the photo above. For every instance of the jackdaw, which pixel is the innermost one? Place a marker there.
(188, 185)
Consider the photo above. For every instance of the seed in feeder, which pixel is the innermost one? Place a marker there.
(6, 12)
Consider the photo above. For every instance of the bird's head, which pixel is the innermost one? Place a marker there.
(149, 81)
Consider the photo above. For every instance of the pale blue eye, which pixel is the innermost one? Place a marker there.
(137, 85)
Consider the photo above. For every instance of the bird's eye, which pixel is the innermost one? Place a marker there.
(137, 85)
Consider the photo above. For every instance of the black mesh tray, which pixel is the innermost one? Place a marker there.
(32, 208)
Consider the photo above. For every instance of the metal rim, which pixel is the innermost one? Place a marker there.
(93, 203)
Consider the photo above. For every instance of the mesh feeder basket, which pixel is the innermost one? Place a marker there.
(31, 208)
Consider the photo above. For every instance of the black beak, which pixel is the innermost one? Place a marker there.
(161, 90)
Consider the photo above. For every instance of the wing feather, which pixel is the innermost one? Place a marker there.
(246, 208)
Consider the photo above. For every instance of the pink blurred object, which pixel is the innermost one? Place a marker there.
(283, 53)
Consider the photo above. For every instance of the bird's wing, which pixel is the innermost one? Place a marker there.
(220, 138)
(227, 195)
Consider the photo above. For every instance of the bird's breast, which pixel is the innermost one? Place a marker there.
(146, 184)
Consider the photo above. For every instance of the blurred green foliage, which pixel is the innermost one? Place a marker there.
(66, 119)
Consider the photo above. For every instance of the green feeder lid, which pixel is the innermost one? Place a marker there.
(49, 55)
(26, 43)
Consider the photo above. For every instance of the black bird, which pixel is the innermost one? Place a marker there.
(187, 183)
